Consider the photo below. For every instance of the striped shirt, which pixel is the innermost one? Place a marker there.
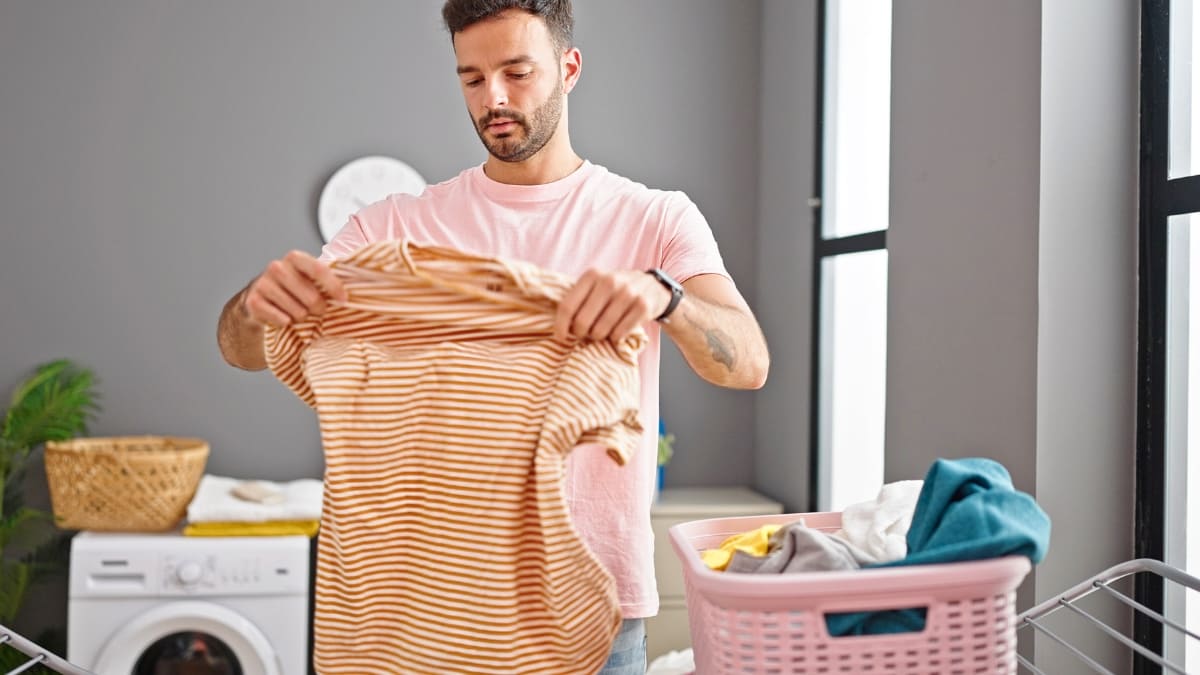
(591, 219)
(446, 409)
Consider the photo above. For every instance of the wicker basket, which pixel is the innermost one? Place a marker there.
(125, 484)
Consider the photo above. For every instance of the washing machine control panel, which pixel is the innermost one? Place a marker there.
(226, 573)
(105, 566)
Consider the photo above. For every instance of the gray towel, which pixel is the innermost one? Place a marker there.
(796, 548)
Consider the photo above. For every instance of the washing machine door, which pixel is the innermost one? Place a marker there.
(188, 638)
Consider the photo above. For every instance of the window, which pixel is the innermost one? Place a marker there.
(850, 266)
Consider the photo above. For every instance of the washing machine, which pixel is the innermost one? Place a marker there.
(166, 604)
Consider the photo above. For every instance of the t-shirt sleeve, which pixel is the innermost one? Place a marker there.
(284, 348)
(689, 248)
(620, 438)
(599, 397)
(349, 239)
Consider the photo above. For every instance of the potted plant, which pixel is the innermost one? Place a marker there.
(55, 403)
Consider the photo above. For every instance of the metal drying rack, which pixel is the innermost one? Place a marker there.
(1032, 619)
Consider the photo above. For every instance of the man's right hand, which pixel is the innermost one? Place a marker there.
(289, 289)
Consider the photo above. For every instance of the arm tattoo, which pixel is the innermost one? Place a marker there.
(720, 344)
(721, 354)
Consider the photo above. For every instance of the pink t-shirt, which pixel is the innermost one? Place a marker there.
(591, 218)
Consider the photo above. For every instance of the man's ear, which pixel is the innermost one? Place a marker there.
(572, 64)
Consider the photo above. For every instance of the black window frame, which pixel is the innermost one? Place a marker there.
(823, 248)
(1159, 198)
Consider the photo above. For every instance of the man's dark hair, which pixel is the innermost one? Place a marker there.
(458, 14)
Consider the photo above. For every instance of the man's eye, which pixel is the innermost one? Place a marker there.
(473, 83)
(519, 76)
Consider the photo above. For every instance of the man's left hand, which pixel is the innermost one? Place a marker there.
(609, 305)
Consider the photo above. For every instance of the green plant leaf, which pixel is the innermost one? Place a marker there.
(14, 580)
(666, 448)
(22, 524)
(54, 404)
(12, 490)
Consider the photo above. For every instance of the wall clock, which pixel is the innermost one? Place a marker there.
(360, 182)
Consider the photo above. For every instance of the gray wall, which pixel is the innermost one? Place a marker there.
(962, 243)
(963, 238)
(156, 154)
(1087, 318)
(785, 221)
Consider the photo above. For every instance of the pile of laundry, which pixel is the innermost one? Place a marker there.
(965, 509)
(229, 507)
(872, 532)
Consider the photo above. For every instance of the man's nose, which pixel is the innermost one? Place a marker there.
(497, 93)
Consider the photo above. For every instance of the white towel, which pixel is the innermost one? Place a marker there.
(673, 663)
(214, 502)
(879, 528)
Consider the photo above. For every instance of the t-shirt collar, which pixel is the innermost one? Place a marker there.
(554, 191)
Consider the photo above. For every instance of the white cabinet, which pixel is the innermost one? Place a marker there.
(669, 630)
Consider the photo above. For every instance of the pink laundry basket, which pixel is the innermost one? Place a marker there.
(773, 624)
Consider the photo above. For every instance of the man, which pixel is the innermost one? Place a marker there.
(535, 199)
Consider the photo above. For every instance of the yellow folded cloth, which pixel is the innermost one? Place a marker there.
(265, 529)
(754, 542)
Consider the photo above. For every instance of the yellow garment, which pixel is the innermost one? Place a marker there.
(754, 542)
(265, 529)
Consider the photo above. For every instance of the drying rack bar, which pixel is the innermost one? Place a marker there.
(1102, 582)
(37, 655)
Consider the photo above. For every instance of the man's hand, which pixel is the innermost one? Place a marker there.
(609, 305)
(290, 289)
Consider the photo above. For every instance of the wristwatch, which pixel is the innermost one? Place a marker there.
(671, 285)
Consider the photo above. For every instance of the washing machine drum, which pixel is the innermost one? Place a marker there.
(189, 638)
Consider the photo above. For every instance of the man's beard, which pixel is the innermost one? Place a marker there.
(535, 133)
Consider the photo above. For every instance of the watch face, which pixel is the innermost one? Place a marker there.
(360, 183)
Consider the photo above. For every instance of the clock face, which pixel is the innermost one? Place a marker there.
(359, 183)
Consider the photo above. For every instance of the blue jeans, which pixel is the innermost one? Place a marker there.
(628, 656)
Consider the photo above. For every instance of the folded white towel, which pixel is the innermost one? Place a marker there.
(879, 528)
(215, 502)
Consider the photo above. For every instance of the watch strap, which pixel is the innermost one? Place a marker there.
(671, 285)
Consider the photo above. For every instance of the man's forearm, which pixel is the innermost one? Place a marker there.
(722, 344)
(239, 337)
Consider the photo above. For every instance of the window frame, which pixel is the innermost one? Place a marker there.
(1160, 197)
(823, 248)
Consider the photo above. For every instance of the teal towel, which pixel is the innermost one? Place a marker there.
(967, 510)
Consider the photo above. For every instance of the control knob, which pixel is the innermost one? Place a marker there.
(189, 572)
